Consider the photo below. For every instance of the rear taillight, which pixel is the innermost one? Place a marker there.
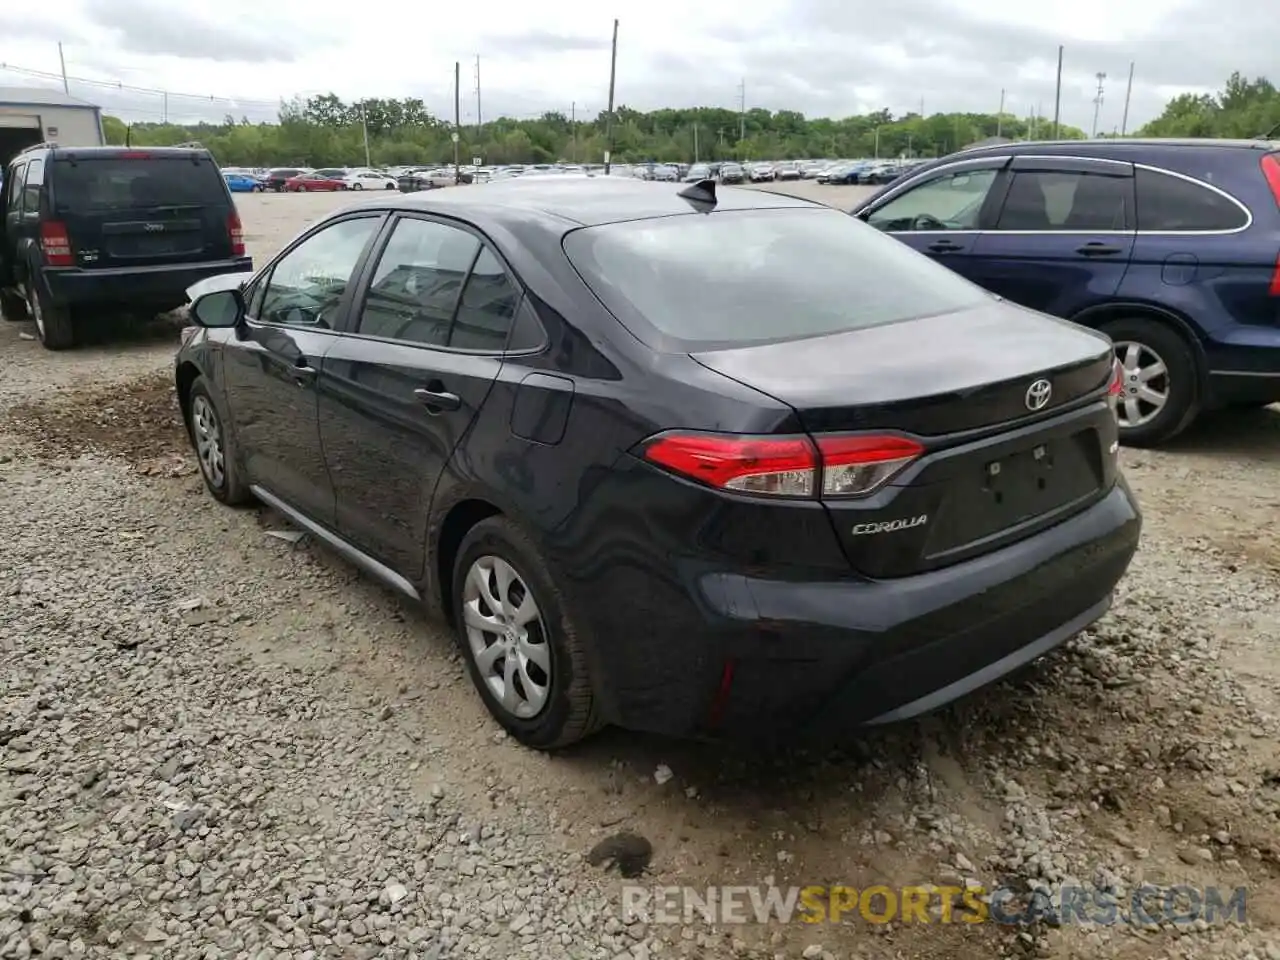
(236, 232)
(55, 244)
(1271, 170)
(134, 155)
(1115, 389)
(797, 467)
(854, 466)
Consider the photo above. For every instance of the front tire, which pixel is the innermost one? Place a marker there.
(1160, 381)
(216, 451)
(520, 638)
(54, 326)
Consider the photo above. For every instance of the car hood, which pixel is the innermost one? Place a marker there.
(222, 281)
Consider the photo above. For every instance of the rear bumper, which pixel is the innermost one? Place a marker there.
(1244, 367)
(152, 285)
(746, 656)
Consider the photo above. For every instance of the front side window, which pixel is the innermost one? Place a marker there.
(307, 285)
(417, 283)
(1065, 200)
(952, 201)
(741, 277)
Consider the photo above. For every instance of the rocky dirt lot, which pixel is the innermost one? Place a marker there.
(218, 743)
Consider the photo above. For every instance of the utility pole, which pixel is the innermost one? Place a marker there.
(364, 128)
(742, 110)
(479, 115)
(164, 108)
(695, 141)
(1124, 123)
(1097, 101)
(1057, 96)
(876, 152)
(457, 120)
(63, 61)
(573, 131)
(922, 108)
(1000, 116)
(608, 118)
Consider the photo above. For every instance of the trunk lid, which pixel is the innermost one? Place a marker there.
(994, 470)
(137, 209)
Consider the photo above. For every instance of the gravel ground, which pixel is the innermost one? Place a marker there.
(218, 743)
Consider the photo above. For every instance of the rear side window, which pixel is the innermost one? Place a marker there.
(1171, 203)
(741, 277)
(95, 183)
(17, 175)
(1065, 200)
(31, 188)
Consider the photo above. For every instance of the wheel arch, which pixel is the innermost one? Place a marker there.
(186, 375)
(460, 518)
(1102, 314)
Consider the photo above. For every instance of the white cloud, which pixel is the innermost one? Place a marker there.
(822, 57)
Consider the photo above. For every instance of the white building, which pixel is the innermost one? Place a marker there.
(32, 115)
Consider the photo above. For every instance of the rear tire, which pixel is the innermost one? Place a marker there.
(12, 307)
(1146, 347)
(568, 707)
(54, 326)
(357, 186)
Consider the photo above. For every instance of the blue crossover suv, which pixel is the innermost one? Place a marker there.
(1170, 247)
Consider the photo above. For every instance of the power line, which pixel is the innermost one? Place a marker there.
(128, 88)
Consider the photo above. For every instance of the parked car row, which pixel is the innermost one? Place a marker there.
(305, 180)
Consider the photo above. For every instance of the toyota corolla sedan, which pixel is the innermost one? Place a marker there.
(821, 483)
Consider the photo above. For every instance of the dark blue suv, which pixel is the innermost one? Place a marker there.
(1171, 247)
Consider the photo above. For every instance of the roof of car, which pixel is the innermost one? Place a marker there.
(584, 200)
(107, 152)
(1112, 144)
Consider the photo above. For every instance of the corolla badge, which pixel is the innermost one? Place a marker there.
(154, 227)
(1039, 394)
(889, 526)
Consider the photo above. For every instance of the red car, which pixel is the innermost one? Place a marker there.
(309, 182)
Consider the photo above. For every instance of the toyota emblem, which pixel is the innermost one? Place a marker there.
(1038, 395)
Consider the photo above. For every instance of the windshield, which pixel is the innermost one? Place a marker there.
(91, 183)
(793, 273)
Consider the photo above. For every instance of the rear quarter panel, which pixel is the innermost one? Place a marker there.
(1218, 282)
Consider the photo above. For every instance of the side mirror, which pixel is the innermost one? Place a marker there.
(219, 309)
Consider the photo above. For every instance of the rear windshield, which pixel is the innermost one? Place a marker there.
(740, 277)
(98, 183)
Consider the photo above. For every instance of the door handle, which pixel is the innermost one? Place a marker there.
(945, 246)
(438, 401)
(1098, 250)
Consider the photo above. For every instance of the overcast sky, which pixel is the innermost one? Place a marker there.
(822, 57)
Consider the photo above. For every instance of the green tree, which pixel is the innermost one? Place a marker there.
(328, 131)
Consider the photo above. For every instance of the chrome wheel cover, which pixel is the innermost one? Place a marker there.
(507, 637)
(208, 437)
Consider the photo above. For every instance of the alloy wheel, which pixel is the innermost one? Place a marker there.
(208, 436)
(507, 636)
(1146, 384)
(37, 314)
